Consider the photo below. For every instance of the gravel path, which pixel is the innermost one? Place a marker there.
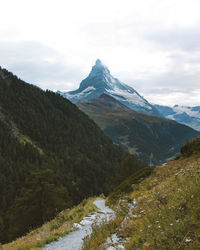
(74, 240)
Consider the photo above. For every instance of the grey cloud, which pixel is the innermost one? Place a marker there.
(38, 64)
(46, 67)
(109, 34)
(174, 38)
(185, 39)
(169, 85)
(181, 76)
(173, 81)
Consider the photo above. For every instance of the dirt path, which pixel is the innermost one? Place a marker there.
(74, 240)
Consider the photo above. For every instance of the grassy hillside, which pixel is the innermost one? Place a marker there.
(154, 139)
(51, 156)
(61, 225)
(158, 208)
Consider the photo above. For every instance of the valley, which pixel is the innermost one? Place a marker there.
(57, 157)
(154, 139)
(100, 125)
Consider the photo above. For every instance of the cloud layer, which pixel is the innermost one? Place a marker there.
(152, 45)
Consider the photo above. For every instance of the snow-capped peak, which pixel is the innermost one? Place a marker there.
(101, 81)
(99, 68)
(98, 63)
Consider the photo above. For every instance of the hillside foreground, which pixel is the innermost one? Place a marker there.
(159, 211)
(156, 208)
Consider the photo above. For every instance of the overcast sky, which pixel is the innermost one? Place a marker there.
(152, 45)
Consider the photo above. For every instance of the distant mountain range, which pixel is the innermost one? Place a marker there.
(189, 116)
(129, 119)
(152, 138)
(101, 81)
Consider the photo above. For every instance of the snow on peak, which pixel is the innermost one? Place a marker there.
(99, 69)
(101, 81)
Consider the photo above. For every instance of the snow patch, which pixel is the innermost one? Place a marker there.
(85, 92)
(187, 110)
(132, 98)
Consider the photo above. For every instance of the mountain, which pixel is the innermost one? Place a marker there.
(154, 139)
(52, 156)
(189, 116)
(101, 81)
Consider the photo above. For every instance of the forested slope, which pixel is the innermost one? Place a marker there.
(51, 156)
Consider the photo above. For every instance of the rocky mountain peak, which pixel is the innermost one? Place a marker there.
(100, 81)
(99, 69)
(98, 62)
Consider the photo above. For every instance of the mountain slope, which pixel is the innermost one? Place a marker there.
(51, 156)
(189, 116)
(154, 139)
(157, 209)
(63, 224)
(101, 81)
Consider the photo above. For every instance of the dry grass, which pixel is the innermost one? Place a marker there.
(56, 228)
(167, 215)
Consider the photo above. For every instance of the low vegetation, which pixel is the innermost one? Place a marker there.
(159, 211)
(61, 225)
(156, 208)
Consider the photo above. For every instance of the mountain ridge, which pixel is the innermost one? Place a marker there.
(154, 139)
(190, 116)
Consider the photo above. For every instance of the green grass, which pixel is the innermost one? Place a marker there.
(60, 226)
(100, 233)
(126, 186)
(167, 215)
